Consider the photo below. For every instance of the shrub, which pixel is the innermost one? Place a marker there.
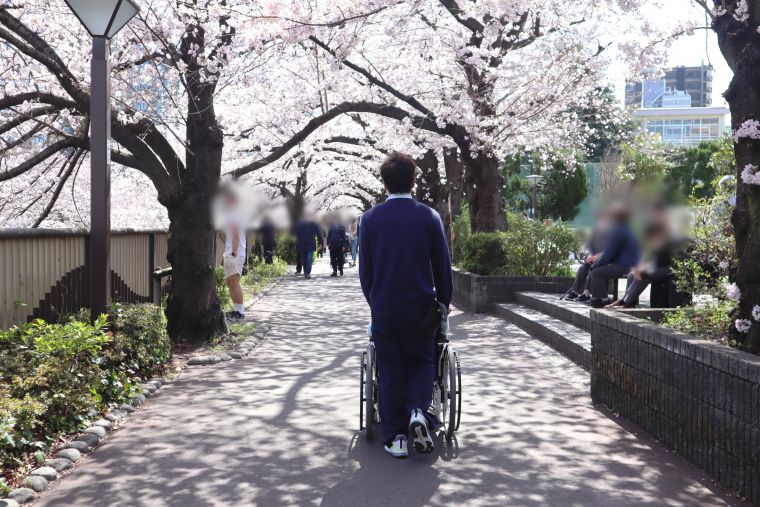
(529, 247)
(140, 341)
(56, 364)
(222, 292)
(462, 231)
(286, 249)
(708, 321)
(260, 272)
(538, 248)
(49, 374)
(485, 253)
(56, 377)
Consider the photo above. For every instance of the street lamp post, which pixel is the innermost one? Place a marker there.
(102, 19)
(534, 180)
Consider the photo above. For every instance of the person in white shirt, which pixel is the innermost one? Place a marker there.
(234, 248)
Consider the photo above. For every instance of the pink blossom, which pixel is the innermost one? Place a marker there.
(743, 325)
(750, 175)
(733, 292)
(756, 312)
(749, 129)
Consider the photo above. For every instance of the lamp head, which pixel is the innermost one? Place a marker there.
(103, 18)
(534, 179)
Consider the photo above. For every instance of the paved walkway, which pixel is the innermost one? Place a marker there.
(279, 428)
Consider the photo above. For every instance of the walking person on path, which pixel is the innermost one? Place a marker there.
(231, 216)
(337, 242)
(268, 240)
(405, 273)
(308, 235)
(353, 237)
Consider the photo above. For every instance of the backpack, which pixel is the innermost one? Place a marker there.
(337, 237)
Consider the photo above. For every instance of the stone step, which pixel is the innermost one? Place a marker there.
(570, 340)
(571, 312)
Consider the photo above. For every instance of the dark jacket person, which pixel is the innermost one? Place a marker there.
(405, 267)
(308, 235)
(620, 255)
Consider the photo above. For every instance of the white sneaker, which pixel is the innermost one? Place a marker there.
(418, 429)
(397, 447)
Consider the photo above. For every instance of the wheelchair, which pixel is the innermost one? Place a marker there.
(447, 389)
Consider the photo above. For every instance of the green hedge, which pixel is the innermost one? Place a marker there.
(529, 247)
(286, 249)
(485, 253)
(54, 378)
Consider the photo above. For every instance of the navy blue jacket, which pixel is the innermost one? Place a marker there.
(404, 256)
(306, 234)
(622, 248)
(336, 237)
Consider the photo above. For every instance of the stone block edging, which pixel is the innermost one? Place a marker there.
(242, 350)
(72, 452)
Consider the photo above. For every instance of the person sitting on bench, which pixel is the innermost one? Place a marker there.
(655, 268)
(621, 254)
(595, 246)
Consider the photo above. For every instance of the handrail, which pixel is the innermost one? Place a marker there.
(59, 233)
(155, 290)
(161, 273)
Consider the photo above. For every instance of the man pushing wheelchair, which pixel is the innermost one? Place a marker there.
(405, 273)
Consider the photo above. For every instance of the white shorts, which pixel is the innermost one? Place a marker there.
(233, 266)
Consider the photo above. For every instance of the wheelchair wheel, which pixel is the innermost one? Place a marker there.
(451, 392)
(368, 391)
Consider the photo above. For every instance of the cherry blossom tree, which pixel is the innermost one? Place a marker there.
(737, 24)
(490, 76)
(210, 84)
(187, 78)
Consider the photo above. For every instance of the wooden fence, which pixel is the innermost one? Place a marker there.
(44, 273)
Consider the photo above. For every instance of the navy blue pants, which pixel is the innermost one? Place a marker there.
(405, 363)
(306, 260)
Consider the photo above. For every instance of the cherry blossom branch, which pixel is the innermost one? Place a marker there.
(70, 164)
(377, 82)
(393, 112)
(69, 142)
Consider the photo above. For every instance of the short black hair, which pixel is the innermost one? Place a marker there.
(397, 172)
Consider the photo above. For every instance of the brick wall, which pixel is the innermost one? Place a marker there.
(478, 293)
(701, 399)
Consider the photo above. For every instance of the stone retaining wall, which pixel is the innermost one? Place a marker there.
(699, 398)
(478, 293)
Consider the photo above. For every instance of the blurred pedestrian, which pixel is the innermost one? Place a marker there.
(337, 242)
(619, 256)
(594, 247)
(268, 240)
(234, 227)
(353, 237)
(308, 236)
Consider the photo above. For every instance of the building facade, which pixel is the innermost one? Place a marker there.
(696, 82)
(683, 126)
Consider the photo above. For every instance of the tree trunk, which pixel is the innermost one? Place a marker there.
(454, 190)
(193, 311)
(740, 45)
(429, 189)
(487, 213)
(744, 100)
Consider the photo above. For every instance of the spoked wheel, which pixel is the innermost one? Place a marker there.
(451, 393)
(362, 382)
(368, 394)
